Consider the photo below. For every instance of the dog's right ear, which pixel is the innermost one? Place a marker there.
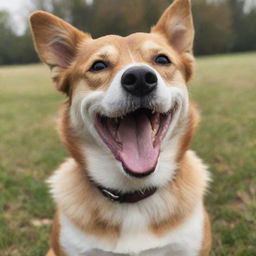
(56, 42)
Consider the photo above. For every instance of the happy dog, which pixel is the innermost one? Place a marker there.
(131, 186)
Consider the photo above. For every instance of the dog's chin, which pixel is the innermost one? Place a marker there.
(135, 138)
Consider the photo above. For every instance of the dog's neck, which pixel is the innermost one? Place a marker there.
(129, 197)
(83, 203)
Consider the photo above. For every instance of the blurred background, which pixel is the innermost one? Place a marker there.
(224, 88)
(222, 26)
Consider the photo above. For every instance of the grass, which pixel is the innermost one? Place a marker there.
(225, 89)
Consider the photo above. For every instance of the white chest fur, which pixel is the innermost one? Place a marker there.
(185, 240)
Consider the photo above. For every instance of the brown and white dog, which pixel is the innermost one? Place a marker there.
(132, 186)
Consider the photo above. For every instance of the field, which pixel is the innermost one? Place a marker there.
(225, 89)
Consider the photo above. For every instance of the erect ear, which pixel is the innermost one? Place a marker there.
(176, 24)
(56, 41)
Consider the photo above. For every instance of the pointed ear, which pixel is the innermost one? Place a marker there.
(176, 24)
(55, 40)
(56, 43)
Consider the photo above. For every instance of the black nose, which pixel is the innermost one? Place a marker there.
(139, 81)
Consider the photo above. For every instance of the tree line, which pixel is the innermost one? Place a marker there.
(222, 26)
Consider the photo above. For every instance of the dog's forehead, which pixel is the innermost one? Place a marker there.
(114, 44)
(139, 39)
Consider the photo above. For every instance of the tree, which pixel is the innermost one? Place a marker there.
(213, 25)
(244, 24)
(7, 39)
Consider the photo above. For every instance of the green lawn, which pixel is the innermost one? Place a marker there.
(225, 89)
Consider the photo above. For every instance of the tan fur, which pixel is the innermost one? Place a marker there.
(48, 30)
(55, 236)
(207, 241)
(70, 54)
(192, 123)
(188, 186)
(86, 47)
(180, 37)
(68, 136)
(51, 253)
(82, 203)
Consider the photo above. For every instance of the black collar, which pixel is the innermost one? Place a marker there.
(130, 197)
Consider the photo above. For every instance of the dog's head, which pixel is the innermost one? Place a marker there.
(128, 114)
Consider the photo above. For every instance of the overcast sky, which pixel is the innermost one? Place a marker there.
(13, 5)
(19, 10)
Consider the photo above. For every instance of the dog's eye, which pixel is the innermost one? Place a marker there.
(98, 66)
(162, 60)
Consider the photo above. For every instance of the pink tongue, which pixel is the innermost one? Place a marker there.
(137, 154)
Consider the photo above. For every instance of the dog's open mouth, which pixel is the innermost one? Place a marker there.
(135, 138)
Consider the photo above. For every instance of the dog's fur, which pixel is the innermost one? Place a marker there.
(173, 220)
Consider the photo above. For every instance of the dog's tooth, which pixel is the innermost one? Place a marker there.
(142, 191)
(111, 127)
(117, 137)
(175, 107)
(155, 121)
(154, 132)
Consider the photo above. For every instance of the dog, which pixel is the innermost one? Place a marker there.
(131, 186)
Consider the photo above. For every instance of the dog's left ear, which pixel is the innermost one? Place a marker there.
(176, 24)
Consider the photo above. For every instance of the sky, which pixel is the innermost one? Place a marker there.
(19, 10)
